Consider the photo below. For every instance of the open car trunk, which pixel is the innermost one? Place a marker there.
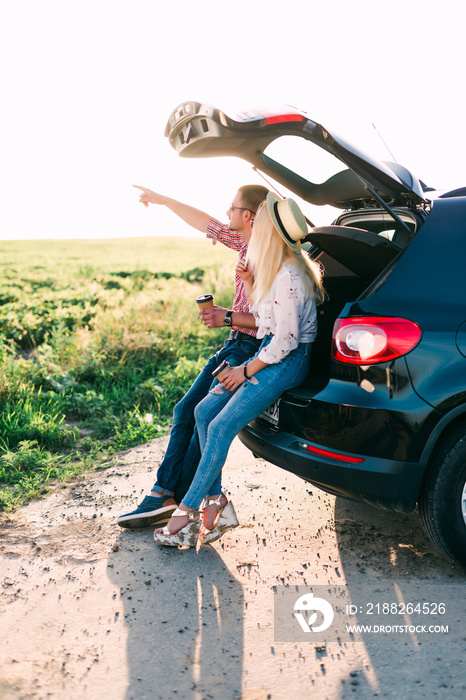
(385, 203)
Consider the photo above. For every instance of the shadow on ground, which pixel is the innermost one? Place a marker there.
(184, 616)
(387, 558)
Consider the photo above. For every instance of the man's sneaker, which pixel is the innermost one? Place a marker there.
(153, 510)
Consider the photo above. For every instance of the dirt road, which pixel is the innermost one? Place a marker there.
(89, 611)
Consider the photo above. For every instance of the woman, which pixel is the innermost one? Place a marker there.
(287, 287)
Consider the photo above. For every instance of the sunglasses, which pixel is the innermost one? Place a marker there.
(232, 208)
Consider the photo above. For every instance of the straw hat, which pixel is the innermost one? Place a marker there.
(288, 219)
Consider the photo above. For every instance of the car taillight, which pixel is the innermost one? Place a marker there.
(366, 340)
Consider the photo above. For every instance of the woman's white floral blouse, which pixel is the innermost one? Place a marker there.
(288, 313)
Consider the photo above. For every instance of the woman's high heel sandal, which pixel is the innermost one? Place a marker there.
(186, 537)
(224, 520)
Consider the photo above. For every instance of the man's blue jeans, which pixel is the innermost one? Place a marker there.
(222, 414)
(183, 453)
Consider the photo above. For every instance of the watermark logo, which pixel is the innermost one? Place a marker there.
(306, 604)
(335, 613)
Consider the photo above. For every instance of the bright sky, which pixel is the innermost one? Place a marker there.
(88, 85)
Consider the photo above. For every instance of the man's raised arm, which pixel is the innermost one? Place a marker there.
(194, 217)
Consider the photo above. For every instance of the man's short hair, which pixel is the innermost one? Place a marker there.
(252, 196)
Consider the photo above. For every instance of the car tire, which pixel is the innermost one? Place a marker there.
(442, 502)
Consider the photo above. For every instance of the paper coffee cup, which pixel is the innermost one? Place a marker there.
(220, 371)
(206, 301)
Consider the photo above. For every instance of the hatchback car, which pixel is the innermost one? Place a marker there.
(381, 417)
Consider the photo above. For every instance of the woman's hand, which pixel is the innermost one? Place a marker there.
(234, 378)
(243, 271)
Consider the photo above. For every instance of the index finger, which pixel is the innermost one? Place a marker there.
(138, 187)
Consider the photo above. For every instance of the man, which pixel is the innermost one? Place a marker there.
(182, 456)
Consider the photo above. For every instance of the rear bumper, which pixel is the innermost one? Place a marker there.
(383, 483)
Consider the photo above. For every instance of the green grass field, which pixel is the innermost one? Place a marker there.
(161, 254)
(98, 340)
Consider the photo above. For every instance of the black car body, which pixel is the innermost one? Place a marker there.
(381, 417)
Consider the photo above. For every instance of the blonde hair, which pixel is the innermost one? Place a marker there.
(268, 252)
